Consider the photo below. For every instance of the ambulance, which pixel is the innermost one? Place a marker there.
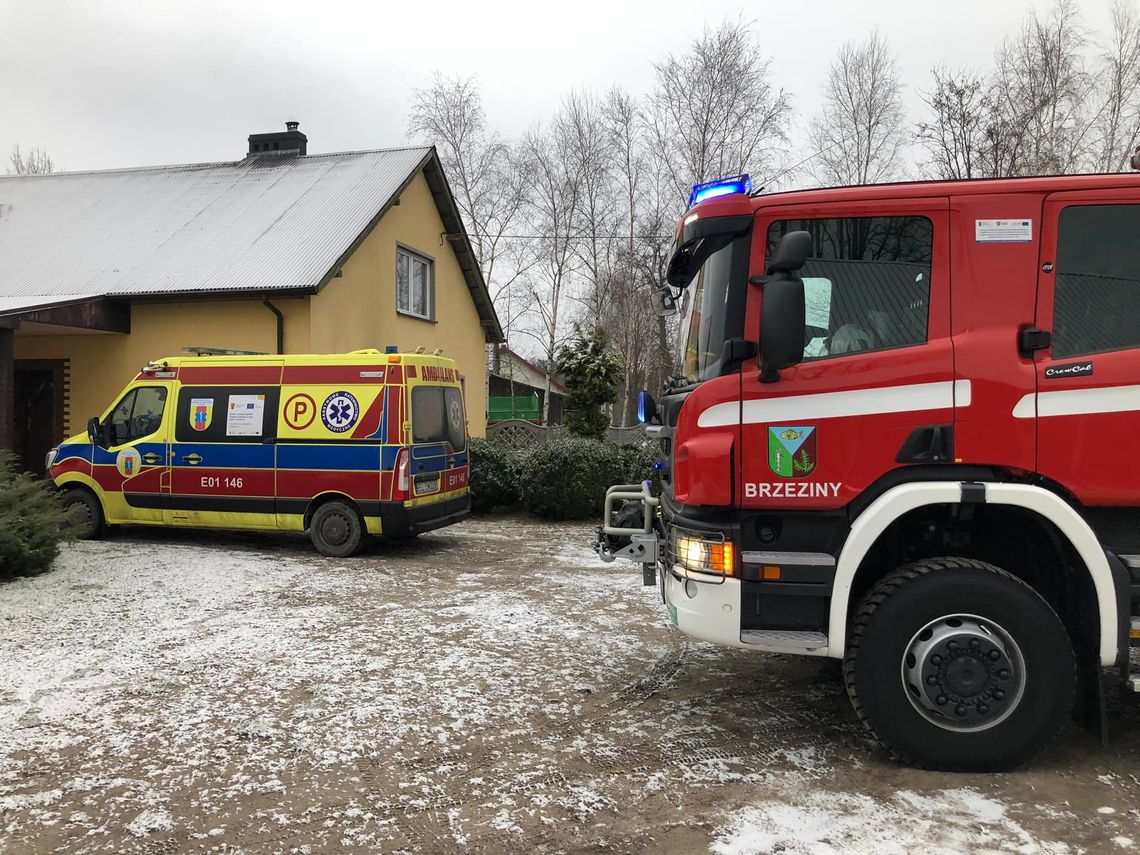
(345, 447)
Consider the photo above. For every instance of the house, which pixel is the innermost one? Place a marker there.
(279, 252)
(517, 388)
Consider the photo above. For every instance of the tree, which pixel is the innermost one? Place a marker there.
(1118, 123)
(35, 162)
(861, 131)
(552, 212)
(488, 178)
(592, 374)
(955, 138)
(1042, 97)
(714, 111)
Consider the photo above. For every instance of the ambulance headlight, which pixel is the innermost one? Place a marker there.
(49, 461)
(700, 554)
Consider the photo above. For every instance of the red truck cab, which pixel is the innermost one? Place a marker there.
(900, 437)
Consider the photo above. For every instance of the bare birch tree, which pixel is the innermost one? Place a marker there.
(715, 111)
(488, 179)
(35, 162)
(553, 214)
(1118, 123)
(955, 137)
(860, 133)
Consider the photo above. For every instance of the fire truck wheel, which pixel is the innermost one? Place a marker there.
(336, 530)
(82, 514)
(955, 664)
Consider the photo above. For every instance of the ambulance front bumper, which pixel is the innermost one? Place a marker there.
(705, 610)
(396, 520)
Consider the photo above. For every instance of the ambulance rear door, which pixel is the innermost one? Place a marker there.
(438, 441)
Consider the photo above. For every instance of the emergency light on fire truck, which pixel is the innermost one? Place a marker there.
(919, 468)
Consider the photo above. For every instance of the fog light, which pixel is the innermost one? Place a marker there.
(690, 589)
(695, 553)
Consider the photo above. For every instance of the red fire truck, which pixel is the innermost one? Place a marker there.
(902, 437)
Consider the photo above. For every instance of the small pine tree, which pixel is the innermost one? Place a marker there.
(31, 521)
(592, 375)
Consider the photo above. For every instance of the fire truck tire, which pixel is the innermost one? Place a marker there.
(336, 530)
(957, 665)
(82, 514)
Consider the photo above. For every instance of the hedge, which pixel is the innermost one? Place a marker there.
(31, 522)
(565, 478)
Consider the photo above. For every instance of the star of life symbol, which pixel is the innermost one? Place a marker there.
(340, 411)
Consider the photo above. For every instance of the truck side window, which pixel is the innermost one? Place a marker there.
(138, 414)
(1096, 300)
(866, 284)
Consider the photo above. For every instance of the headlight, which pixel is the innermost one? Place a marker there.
(703, 554)
(50, 459)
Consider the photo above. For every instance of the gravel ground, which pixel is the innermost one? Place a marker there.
(490, 687)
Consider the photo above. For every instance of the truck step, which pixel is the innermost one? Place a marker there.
(1134, 684)
(784, 639)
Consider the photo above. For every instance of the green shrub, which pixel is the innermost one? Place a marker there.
(567, 477)
(494, 470)
(638, 460)
(31, 522)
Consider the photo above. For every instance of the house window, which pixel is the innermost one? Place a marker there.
(415, 280)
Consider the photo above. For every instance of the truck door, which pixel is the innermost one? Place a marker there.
(135, 463)
(876, 386)
(1087, 403)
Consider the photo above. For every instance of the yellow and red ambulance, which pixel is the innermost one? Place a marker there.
(343, 446)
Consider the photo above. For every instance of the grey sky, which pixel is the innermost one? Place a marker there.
(128, 83)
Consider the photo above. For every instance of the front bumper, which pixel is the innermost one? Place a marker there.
(396, 520)
(711, 614)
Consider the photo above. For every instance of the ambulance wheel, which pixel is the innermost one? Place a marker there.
(82, 514)
(336, 530)
(957, 665)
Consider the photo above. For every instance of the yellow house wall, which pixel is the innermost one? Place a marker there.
(358, 309)
(355, 310)
(102, 364)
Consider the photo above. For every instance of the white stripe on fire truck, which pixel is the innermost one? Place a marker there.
(1079, 402)
(944, 395)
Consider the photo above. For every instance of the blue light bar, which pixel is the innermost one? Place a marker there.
(720, 187)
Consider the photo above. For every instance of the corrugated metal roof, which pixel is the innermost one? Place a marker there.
(259, 224)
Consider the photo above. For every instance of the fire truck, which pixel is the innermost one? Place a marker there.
(902, 437)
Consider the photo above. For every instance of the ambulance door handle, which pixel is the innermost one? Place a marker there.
(192, 459)
(151, 458)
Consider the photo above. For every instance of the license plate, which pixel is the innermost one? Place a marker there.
(425, 487)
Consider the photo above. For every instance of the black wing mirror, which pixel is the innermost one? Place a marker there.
(97, 433)
(782, 308)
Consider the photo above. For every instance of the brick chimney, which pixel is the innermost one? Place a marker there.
(290, 141)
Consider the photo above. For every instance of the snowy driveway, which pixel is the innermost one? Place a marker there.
(490, 687)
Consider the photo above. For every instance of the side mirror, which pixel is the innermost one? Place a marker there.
(782, 321)
(96, 433)
(790, 254)
(664, 301)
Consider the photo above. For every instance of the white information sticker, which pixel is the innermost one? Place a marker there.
(245, 415)
(1003, 231)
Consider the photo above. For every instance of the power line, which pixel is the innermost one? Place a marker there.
(573, 237)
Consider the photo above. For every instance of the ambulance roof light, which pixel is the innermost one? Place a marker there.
(391, 348)
(720, 187)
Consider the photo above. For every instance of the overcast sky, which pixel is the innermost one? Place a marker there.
(137, 82)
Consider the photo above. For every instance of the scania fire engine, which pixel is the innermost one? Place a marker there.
(902, 437)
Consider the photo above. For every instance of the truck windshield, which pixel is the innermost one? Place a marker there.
(713, 310)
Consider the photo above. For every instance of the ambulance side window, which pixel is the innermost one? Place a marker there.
(138, 414)
(229, 414)
(1096, 301)
(437, 416)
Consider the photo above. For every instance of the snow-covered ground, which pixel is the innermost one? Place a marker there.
(489, 687)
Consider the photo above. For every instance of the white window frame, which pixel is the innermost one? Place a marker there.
(414, 256)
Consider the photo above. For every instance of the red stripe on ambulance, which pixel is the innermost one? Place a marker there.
(233, 375)
(299, 484)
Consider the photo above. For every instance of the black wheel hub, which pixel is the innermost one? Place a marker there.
(335, 529)
(963, 673)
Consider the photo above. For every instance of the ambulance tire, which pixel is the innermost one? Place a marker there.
(82, 514)
(336, 530)
(957, 665)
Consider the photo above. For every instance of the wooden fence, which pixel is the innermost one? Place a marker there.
(519, 434)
